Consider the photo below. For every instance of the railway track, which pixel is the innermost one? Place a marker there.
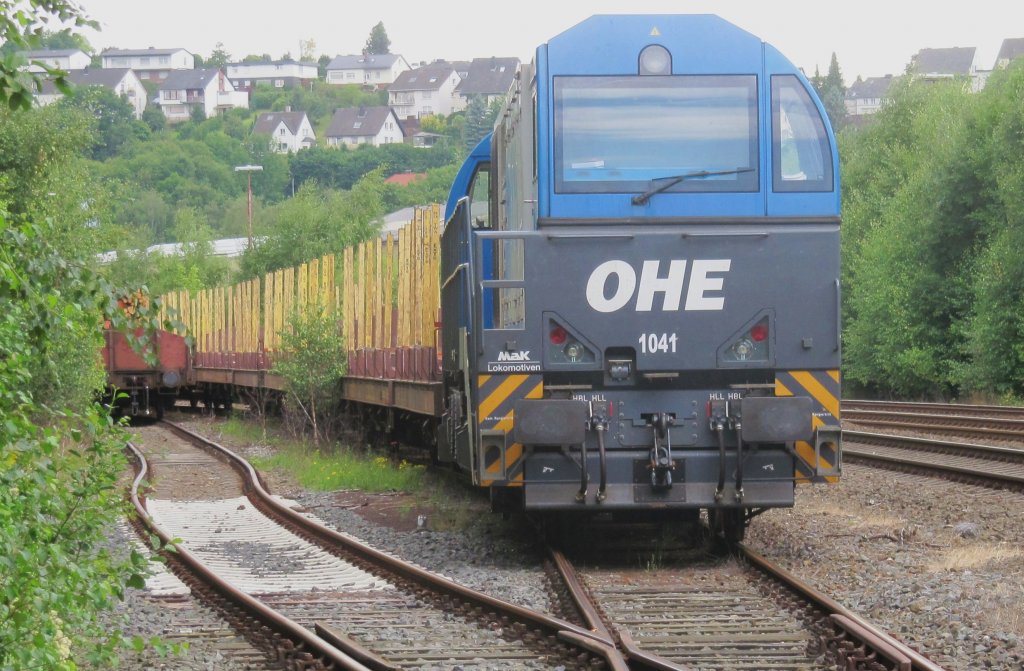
(315, 598)
(726, 612)
(996, 411)
(984, 446)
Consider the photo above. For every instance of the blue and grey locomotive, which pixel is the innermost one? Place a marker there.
(640, 278)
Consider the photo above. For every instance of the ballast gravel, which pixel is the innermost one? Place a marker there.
(937, 564)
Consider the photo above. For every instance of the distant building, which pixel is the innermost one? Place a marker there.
(61, 59)
(934, 65)
(209, 89)
(405, 178)
(868, 95)
(1011, 48)
(149, 64)
(487, 77)
(353, 126)
(279, 74)
(288, 131)
(366, 69)
(120, 81)
(426, 90)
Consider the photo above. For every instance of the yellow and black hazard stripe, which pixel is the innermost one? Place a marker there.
(501, 460)
(822, 386)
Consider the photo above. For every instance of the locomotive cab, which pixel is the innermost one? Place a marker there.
(640, 278)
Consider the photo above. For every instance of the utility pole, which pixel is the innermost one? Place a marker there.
(249, 170)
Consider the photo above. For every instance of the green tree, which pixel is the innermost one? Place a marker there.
(115, 123)
(832, 92)
(315, 222)
(312, 360)
(307, 50)
(378, 42)
(219, 58)
(65, 39)
(910, 193)
(23, 26)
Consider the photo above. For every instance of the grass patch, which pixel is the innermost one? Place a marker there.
(973, 556)
(856, 516)
(242, 431)
(343, 469)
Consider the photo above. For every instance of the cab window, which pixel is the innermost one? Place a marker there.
(620, 134)
(801, 155)
(479, 202)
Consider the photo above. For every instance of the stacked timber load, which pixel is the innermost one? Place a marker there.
(385, 299)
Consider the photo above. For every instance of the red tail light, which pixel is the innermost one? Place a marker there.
(558, 335)
(759, 332)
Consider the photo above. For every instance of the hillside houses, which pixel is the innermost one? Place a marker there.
(120, 81)
(426, 90)
(866, 96)
(364, 125)
(287, 131)
(60, 59)
(366, 69)
(149, 64)
(208, 89)
(279, 74)
(488, 77)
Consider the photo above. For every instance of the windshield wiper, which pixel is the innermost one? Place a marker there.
(641, 199)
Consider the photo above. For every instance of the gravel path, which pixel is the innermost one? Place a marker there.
(937, 564)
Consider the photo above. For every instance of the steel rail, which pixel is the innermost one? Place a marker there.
(329, 538)
(306, 641)
(976, 450)
(870, 641)
(939, 408)
(884, 645)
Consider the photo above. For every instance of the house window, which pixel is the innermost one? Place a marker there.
(357, 124)
(376, 75)
(281, 132)
(427, 95)
(144, 60)
(172, 95)
(278, 83)
(350, 75)
(165, 60)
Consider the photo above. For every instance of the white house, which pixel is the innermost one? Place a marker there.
(207, 88)
(488, 77)
(426, 90)
(364, 125)
(61, 59)
(868, 95)
(150, 64)
(121, 81)
(288, 131)
(372, 69)
(280, 74)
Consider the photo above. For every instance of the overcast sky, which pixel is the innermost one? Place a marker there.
(869, 37)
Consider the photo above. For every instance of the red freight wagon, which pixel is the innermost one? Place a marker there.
(146, 389)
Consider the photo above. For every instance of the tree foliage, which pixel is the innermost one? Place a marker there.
(315, 222)
(219, 58)
(932, 216)
(832, 92)
(115, 122)
(312, 359)
(60, 455)
(378, 42)
(24, 24)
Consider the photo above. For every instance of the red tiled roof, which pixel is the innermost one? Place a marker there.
(405, 178)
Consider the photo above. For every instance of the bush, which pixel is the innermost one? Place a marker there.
(312, 361)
